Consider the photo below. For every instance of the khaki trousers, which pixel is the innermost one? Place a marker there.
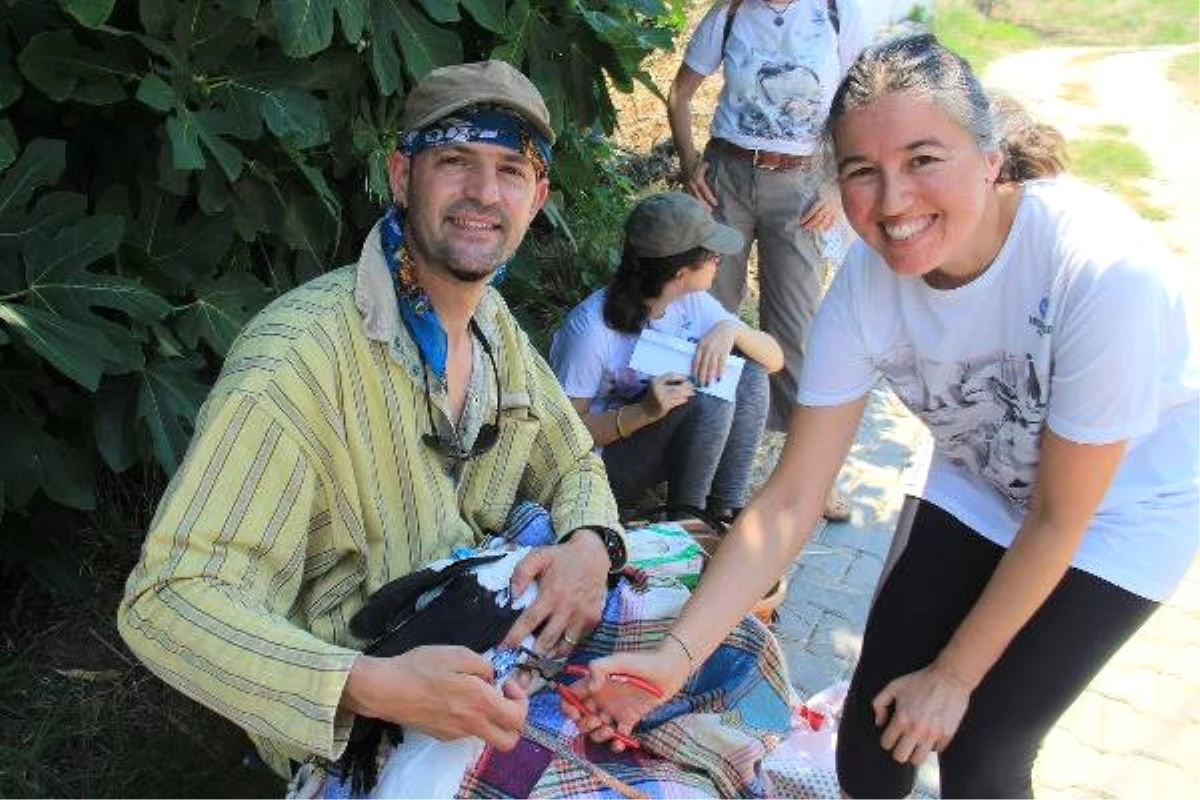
(766, 207)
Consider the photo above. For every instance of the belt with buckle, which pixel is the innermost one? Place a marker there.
(767, 160)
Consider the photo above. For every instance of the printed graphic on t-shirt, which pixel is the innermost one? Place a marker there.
(1040, 320)
(677, 321)
(774, 98)
(628, 385)
(986, 414)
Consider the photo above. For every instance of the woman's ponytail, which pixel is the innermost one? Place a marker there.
(1031, 149)
(624, 309)
(638, 281)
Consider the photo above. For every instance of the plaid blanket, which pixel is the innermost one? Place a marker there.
(710, 740)
(707, 741)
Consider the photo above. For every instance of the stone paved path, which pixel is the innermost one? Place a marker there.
(1136, 731)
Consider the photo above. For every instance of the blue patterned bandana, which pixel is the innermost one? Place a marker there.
(488, 124)
(416, 310)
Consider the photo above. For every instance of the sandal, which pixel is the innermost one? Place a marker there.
(837, 507)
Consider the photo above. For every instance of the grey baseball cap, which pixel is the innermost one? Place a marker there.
(448, 89)
(670, 223)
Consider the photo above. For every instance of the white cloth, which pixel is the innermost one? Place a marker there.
(592, 360)
(779, 79)
(1079, 324)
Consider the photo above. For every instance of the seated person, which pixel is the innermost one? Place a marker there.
(663, 429)
(377, 419)
(364, 424)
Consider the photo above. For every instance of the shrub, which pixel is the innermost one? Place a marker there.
(167, 166)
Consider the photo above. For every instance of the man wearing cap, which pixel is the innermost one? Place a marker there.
(365, 424)
(659, 428)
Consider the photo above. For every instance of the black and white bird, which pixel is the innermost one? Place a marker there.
(466, 602)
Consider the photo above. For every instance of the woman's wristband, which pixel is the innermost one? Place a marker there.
(691, 660)
(620, 433)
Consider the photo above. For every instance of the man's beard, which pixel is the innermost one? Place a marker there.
(471, 273)
(462, 260)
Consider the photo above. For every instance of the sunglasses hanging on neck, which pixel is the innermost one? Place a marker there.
(449, 446)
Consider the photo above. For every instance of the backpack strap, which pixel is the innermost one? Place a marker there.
(734, 5)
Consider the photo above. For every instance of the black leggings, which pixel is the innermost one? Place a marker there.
(933, 585)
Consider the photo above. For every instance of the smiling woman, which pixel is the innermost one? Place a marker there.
(1059, 509)
(919, 191)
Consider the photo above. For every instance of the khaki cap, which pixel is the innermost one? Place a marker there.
(448, 89)
(670, 223)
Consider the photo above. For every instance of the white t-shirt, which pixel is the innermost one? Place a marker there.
(592, 360)
(1079, 324)
(779, 79)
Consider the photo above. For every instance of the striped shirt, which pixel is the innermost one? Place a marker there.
(306, 487)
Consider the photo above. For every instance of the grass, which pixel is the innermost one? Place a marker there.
(1111, 161)
(82, 717)
(976, 38)
(1016, 25)
(84, 720)
(1104, 22)
(1184, 72)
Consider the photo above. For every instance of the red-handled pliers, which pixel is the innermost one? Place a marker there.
(553, 670)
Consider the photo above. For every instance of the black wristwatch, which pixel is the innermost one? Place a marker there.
(614, 544)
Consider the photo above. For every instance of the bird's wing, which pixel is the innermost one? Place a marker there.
(396, 601)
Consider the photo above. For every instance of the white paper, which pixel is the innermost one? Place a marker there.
(657, 353)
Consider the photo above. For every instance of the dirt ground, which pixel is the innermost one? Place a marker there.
(642, 116)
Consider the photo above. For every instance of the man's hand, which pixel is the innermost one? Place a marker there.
(572, 583)
(926, 708)
(445, 691)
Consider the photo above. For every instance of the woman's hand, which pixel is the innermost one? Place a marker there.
(619, 706)
(665, 393)
(927, 707)
(713, 351)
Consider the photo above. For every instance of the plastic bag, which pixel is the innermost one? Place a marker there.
(666, 549)
(804, 764)
(422, 766)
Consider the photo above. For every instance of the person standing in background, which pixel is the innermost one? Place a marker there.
(758, 172)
